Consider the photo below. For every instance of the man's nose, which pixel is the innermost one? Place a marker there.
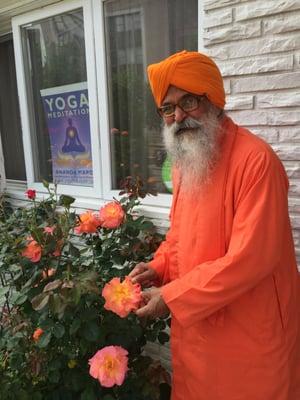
(179, 114)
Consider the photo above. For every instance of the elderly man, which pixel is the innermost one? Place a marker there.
(226, 271)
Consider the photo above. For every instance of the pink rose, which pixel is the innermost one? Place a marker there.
(109, 365)
(49, 229)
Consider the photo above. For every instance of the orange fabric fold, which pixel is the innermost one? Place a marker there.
(188, 70)
(230, 279)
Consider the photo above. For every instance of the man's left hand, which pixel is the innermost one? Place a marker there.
(154, 305)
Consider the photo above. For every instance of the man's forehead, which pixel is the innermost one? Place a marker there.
(174, 94)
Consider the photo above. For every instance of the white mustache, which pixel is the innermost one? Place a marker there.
(186, 124)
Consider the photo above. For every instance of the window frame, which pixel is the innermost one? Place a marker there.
(94, 35)
(24, 94)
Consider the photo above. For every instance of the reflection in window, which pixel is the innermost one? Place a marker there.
(10, 124)
(55, 53)
(138, 33)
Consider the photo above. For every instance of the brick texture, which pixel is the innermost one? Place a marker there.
(257, 47)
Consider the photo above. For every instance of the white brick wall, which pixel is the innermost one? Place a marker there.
(257, 47)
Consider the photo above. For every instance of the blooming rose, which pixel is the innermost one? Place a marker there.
(37, 333)
(33, 251)
(111, 215)
(109, 365)
(121, 297)
(88, 223)
(31, 194)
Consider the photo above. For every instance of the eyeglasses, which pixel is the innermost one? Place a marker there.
(187, 103)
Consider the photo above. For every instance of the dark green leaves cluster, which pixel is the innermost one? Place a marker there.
(61, 294)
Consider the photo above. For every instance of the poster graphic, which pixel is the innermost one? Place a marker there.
(67, 115)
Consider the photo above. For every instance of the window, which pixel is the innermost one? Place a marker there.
(55, 54)
(88, 115)
(58, 97)
(10, 124)
(137, 33)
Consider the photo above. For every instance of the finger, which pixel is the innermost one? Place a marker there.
(144, 311)
(139, 268)
(134, 272)
(147, 284)
(141, 278)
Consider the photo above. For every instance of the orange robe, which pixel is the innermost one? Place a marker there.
(230, 280)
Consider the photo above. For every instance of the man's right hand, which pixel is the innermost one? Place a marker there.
(143, 274)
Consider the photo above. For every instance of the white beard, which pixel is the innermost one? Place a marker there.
(195, 150)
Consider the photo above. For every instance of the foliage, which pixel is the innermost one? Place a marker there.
(53, 319)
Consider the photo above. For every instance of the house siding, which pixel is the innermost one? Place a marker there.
(257, 47)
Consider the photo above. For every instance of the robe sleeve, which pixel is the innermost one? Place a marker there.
(160, 262)
(260, 225)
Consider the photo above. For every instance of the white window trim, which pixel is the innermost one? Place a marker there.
(93, 197)
(17, 23)
(163, 200)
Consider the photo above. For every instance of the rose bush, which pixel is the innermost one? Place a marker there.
(59, 337)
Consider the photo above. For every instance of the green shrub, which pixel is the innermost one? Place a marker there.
(57, 294)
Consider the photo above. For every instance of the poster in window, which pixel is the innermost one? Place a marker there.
(67, 115)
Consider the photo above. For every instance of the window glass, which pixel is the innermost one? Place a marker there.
(54, 51)
(138, 33)
(10, 124)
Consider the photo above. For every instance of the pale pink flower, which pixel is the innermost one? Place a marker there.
(109, 365)
(122, 297)
(49, 229)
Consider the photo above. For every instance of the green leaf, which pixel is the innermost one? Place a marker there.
(45, 183)
(58, 331)
(65, 200)
(54, 364)
(21, 299)
(159, 325)
(52, 285)
(16, 361)
(40, 301)
(56, 304)
(91, 331)
(31, 280)
(163, 337)
(44, 339)
(151, 336)
(146, 225)
(54, 376)
(4, 290)
(89, 394)
(75, 326)
(37, 396)
(74, 251)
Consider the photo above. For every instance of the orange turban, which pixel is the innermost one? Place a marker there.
(190, 71)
